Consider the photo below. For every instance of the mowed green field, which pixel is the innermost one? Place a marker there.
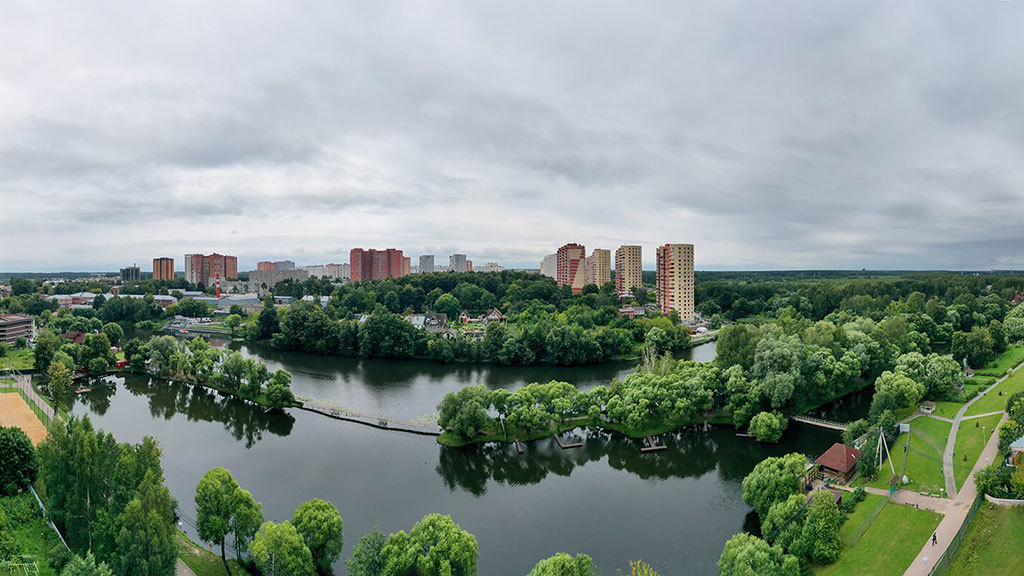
(1013, 355)
(970, 440)
(889, 544)
(927, 441)
(993, 545)
(992, 401)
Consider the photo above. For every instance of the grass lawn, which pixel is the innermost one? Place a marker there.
(1013, 355)
(948, 409)
(202, 561)
(993, 543)
(22, 359)
(889, 544)
(858, 521)
(924, 458)
(969, 442)
(992, 401)
(32, 535)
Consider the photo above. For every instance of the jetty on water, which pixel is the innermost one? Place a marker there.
(652, 446)
(565, 446)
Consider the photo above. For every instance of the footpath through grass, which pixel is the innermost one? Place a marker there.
(1013, 355)
(993, 401)
(993, 545)
(203, 562)
(970, 441)
(927, 441)
(888, 545)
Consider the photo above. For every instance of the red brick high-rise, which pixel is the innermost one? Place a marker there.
(199, 268)
(570, 272)
(371, 264)
(163, 268)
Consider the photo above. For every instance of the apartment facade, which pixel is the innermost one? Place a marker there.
(675, 279)
(426, 264)
(163, 268)
(337, 271)
(457, 263)
(599, 267)
(130, 274)
(371, 264)
(549, 266)
(570, 262)
(200, 268)
(14, 326)
(628, 268)
(264, 280)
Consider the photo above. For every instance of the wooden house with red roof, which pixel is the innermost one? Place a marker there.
(839, 461)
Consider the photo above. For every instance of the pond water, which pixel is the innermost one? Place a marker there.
(674, 508)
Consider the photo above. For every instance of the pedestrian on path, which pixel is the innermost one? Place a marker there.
(934, 539)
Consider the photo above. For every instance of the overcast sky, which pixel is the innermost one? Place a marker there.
(769, 134)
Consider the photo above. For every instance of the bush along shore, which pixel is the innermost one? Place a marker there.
(192, 362)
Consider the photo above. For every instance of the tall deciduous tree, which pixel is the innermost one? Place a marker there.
(216, 497)
(746, 555)
(145, 542)
(58, 382)
(436, 546)
(320, 525)
(368, 558)
(563, 564)
(87, 566)
(773, 480)
(821, 530)
(18, 463)
(245, 520)
(278, 550)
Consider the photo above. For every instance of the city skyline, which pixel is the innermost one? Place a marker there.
(845, 138)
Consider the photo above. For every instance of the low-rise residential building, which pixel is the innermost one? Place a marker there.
(14, 326)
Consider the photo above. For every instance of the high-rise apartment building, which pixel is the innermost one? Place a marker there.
(406, 265)
(268, 266)
(130, 274)
(628, 268)
(201, 269)
(374, 264)
(598, 267)
(457, 263)
(337, 271)
(426, 264)
(163, 268)
(675, 279)
(571, 258)
(549, 266)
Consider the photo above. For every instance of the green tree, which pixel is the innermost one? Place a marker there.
(367, 558)
(976, 346)
(234, 369)
(145, 542)
(464, 413)
(783, 527)
(320, 526)
(436, 546)
(47, 344)
(59, 382)
(19, 465)
(278, 550)
(267, 324)
(746, 555)
(821, 530)
(216, 497)
(563, 564)
(114, 332)
(773, 480)
(245, 520)
(768, 426)
(658, 340)
(906, 391)
(448, 304)
(279, 391)
(98, 367)
(87, 566)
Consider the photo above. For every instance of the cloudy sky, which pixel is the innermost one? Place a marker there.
(769, 134)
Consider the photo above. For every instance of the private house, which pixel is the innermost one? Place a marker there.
(838, 462)
(76, 337)
(494, 315)
(632, 311)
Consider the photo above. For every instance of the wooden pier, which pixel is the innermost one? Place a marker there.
(566, 446)
(652, 447)
(374, 421)
(519, 446)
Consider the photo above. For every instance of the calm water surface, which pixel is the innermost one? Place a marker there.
(673, 508)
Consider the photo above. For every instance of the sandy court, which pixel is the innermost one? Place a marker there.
(15, 412)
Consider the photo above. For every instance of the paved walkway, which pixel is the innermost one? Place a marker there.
(983, 415)
(906, 498)
(947, 456)
(182, 570)
(955, 514)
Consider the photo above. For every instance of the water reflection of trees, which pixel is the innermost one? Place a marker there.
(691, 453)
(244, 421)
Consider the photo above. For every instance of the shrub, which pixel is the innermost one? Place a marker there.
(859, 494)
(18, 463)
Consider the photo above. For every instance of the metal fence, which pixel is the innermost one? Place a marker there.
(23, 382)
(942, 566)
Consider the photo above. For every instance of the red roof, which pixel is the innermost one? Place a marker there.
(839, 457)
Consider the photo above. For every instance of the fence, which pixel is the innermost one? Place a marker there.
(23, 383)
(942, 566)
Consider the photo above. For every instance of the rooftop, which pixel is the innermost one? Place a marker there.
(839, 457)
